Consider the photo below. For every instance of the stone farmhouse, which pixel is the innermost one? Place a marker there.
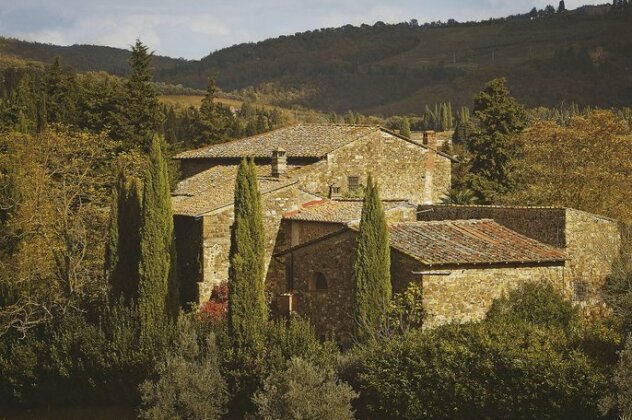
(310, 176)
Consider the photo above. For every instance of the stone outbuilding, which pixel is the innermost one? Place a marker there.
(591, 242)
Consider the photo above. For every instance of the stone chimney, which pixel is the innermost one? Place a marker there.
(334, 191)
(430, 139)
(279, 162)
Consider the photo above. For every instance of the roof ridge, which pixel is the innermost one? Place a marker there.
(210, 146)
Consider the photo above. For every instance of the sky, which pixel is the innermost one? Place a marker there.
(194, 28)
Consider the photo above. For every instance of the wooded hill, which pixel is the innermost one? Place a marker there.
(80, 57)
(583, 56)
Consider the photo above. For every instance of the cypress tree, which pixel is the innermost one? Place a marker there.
(405, 128)
(42, 119)
(112, 244)
(158, 294)
(372, 275)
(247, 311)
(262, 122)
(123, 246)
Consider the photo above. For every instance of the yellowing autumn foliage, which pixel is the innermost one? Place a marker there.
(586, 165)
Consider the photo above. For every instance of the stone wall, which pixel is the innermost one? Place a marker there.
(592, 244)
(465, 294)
(397, 165)
(330, 310)
(216, 234)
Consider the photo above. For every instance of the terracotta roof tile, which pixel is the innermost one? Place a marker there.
(480, 241)
(337, 211)
(215, 188)
(303, 140)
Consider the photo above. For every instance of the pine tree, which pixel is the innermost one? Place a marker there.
(138, 117)
(212, 122)
(405, 128)
(372, 276)
(500, 117)
(61, 88)
(247, 312)
(170, 127)
(123, 245)
(158, 294)
(561, 8)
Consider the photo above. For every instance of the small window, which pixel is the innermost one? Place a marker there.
(319, 282)
(353, 182)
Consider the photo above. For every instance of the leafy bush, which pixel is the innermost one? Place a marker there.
(623, 382)
(188, 384)
(304, 391)
(217, 306)
(296, 338)
(618, 286)
(537, 303)
(284, 340)
(476, 371)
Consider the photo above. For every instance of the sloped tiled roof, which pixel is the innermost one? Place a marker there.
(480, 241)
(302, 140)
(337, 211)
(215, 188)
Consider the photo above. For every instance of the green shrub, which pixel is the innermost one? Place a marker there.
(623, 381)
(537, 303)
(304, 391)
(620, 401)
(296, 338)
(476, 371)
(188, 384)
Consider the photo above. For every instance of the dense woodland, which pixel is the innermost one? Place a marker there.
(89, 310)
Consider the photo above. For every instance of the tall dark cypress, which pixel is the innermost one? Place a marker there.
(158, 294)
(405, 128)
(372, 276)
(123, 246)
(247, 311)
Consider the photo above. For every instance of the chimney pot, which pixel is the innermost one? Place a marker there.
(430, 138)
(334, 191)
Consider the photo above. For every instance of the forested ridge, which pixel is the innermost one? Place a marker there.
(547, 56)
